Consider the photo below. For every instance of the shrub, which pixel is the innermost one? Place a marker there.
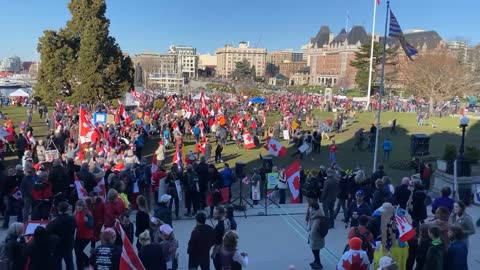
(450, 152)
(472, 154)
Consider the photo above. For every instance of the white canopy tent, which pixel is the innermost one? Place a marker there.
(19, 93)
(197, 97)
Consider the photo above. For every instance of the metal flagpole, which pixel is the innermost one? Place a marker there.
(382, 87)
(370, 71)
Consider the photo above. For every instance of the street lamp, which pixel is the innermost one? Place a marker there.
(463, 166)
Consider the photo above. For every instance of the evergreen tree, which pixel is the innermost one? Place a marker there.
(362, 64)
(81, 62)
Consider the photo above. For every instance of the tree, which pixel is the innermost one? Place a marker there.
(438, 76)
(243, 70)
(362, 63)
(81, 62)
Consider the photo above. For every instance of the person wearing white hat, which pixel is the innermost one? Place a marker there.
(387, 263)
(163, 212)
(169, 246)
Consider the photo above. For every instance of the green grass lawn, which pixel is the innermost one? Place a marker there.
(447, 132)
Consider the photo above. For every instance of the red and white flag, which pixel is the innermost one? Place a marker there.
(122, 113)
(204, 104)
(177, 158)
(129, 259)
(101, 189)
(292, 173)
(405, 228)
(81, 191)
(248, 141)
(275, 148)
(87, 131)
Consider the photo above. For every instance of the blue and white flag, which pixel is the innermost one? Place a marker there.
(396, 32)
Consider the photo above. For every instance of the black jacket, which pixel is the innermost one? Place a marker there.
(164, 214)
(363, 209)
(106, 257)
(152, 257)
(88, 178)
(401, 196)
(58, 179)
(15, 251)
(64, 227)
(419, 210)
(142, 222)
(202, 172)
(201, 240)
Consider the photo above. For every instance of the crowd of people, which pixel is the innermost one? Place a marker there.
(92, 184)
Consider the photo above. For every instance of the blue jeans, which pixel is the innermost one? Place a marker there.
(68, 257)
(386, 155)
(332, 156)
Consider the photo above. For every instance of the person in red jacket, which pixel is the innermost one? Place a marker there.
(97, 209)
(42, 198)
(84, 234)
(114, 208)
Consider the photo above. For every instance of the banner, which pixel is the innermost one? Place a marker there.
(51, 155)
(272, 180)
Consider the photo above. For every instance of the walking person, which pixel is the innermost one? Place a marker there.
(332, 149)
(387, 148)
(84, 233)
(63, 226)
(329, 195)
(171, 179)
(457, 251)
(223, 226)
(201, 241)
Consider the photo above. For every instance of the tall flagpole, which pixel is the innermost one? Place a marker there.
(370, 71)
(382, 88)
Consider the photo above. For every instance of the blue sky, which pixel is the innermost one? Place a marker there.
(153, 25)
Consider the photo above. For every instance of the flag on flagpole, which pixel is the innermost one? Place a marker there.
(292, 173)
(405, 228)
(275, 148)
(204, 104)
(395, 31)
(129, 259)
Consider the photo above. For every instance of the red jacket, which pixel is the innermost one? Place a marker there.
(42, 191)
(98, 212)
(156, 177)
(84, 228)
(113, 211)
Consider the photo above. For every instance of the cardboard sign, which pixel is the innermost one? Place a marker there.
(30, 226)
(286, 135)
(256, 192)
(110, 119)
(51, 155)
(272, 180)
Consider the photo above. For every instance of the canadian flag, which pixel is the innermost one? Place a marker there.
(248, 140)
(87, 131)
(275, 148)
(81, 191)
(101, 189)
(16, 193)
(177, 158)
(204, 104)
(405, 228)
(129, 259)
(122, 113)
(292, 173)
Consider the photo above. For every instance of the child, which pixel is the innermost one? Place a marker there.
(169, 246)
(333, 151)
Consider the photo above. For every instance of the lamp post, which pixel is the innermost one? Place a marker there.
(463, 166)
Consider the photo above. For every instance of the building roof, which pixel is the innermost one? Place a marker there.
(341, 37)
(357, 34)
(322, 37)
(430, 39)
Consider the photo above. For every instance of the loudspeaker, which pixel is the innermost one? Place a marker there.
(419, 145)
(240, 169)
(267, 164)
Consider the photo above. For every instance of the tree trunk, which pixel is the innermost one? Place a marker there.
(430, 105)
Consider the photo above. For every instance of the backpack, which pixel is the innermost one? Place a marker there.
(323, 226)
(366, 245)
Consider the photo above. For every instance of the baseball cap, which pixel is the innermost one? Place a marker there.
(165, 198)
(166, 229)
(18, 168)
(360, 193)
(385, 261)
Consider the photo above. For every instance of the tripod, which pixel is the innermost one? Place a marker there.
(242, 200)
(268, 199)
